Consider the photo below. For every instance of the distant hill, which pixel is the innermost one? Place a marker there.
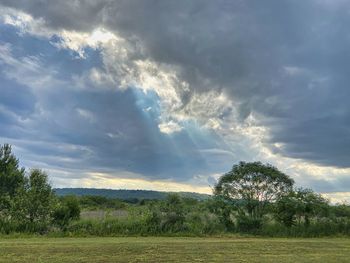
(125, 194)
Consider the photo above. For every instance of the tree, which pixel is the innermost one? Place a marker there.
(310, 204)
(302, 204)
(286, 209)
(39, 196)
(12, 180)
(25, 201)
(174, 214)
(11, 176)
(67, 209)
(252, 186)
(340, 210)
(222, 208)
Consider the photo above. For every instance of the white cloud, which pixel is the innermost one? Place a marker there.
(86, 114)
(78, 41)
(28, 70)
(24, 22)
(338, 197)
(169, 127)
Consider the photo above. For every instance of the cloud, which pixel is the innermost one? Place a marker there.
(268, 78)
(102, 130)
(127, 180)
(86, 114)
(169, 127)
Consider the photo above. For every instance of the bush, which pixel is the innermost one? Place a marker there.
(247, 224)
(67, 209)
(204, 223)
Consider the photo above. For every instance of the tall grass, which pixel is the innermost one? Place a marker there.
(194, 224)
(322, 228)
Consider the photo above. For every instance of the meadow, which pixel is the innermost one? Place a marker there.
(174, 249)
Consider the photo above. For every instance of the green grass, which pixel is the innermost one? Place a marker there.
(169, 249)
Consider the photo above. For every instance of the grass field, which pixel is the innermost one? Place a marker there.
(155, 249)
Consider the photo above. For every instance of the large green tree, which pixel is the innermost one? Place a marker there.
(300, 206)
(40, 196)
(26, 200)
(252, 186)
(11, 175)
(12, 181)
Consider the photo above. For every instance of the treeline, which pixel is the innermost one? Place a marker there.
(27, 201)
(252, 198)
(309, 215)
(132, 196)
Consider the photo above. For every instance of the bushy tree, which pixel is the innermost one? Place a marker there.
(311, 204)
(340, 210)
(252, 186)
(26, 201)
(286, 209)
(223, 208)
(12, 183)
(173, 214)
(40, 196)
(66, 210)
(300, 206)
(11, 175)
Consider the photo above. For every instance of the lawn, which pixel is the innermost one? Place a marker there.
(156, 249)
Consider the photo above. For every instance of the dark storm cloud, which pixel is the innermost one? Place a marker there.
(24, 101)
(77, 15)
(327, 186)
(97, 131)
(288, 61)
(90, 128)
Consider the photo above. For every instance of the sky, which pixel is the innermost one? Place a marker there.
(168, 95)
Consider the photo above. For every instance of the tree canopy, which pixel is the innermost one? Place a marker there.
(11, 175)
(253, 185)
(27, 200)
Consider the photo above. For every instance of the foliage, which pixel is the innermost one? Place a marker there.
(253, 186)
(129, 196)
(66, 210)
(341, 211)
(300, 205)
(252, 198)
(27, 201)
(39, 197)
(11, 176)
(223, 209)
(99, 202)
(247, 224)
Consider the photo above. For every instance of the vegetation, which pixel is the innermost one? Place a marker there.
(252, 198)
(160, 249)
(130, 196)
(27, 201)
(251, 188)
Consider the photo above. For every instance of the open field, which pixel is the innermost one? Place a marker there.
(163, 249)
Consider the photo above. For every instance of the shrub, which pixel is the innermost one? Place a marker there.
(247, 224)
(67, 209)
